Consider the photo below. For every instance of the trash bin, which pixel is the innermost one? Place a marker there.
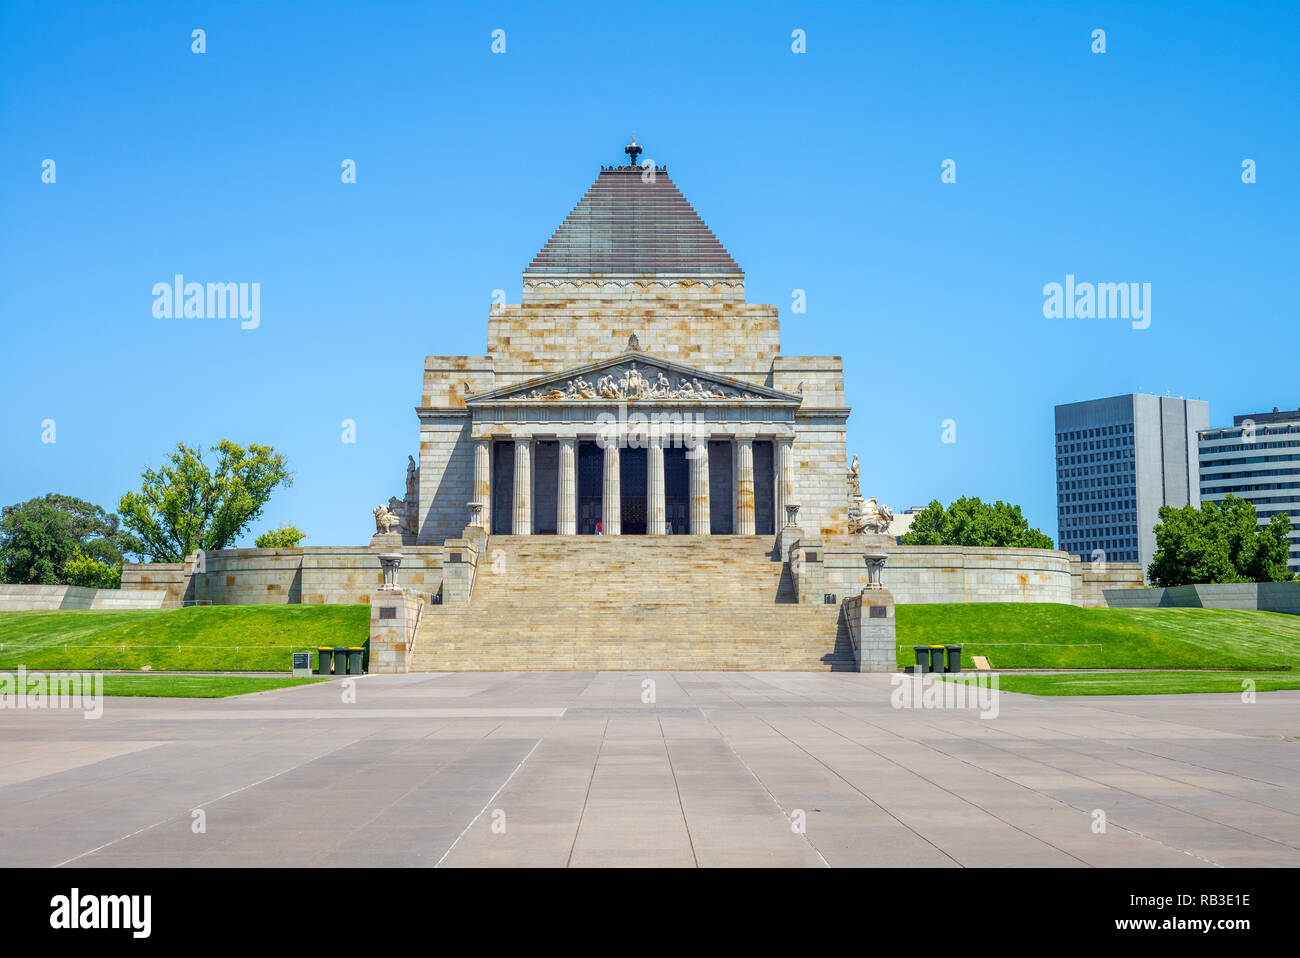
(922, 658)
(324, 658)
(954, 658)
(936, 659)
(354, 660)
(340, 660)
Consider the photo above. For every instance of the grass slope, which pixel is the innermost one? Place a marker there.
(1143, 683)
(1052, 636)
(245, 638)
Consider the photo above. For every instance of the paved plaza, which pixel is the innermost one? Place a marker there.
(573, 768)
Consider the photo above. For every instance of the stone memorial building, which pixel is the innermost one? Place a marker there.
(632, 476)
(632, 387)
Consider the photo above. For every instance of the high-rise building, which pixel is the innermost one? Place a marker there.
(1257, 459)
(1118, 460)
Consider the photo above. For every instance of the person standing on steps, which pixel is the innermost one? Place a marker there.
(600, 529)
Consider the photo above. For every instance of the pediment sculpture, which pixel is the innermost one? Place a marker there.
(631, 383)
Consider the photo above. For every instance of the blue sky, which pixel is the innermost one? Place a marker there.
(818, 171)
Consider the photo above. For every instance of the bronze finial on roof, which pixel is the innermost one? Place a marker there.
(632, 151)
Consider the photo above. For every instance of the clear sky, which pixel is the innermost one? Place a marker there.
(818, 171)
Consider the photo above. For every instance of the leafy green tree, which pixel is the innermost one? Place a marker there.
(970, 522)
(1220, 542)
(186, 505)
(39, 537)
(285, 537)
(81, 569)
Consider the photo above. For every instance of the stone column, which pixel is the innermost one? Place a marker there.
(784, 479)
(611, 510)
(523, 518)
(700, 525)
(566, 514)
(656, 510)
(483, 480)
(744, 485)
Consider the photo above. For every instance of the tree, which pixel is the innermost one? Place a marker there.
(186, 506)
(285, 537)
(1220, 542)
(81, 569)
(40, 536)
(970, 522)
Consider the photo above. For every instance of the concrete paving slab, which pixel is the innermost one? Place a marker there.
(588, 769)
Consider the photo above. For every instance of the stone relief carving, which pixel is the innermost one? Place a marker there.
(631, 283)
(628, 382)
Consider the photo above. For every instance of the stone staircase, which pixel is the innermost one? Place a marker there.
(631, 602)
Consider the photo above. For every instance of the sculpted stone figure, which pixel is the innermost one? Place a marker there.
(855, 480)
(869, 516)
(386, 520)
(412, 478)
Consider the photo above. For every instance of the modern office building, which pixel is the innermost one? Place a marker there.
(1118, 460)
(1257, 459)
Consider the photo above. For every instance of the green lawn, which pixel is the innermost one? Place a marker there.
(1052, 636)
(197, 686)
(1142, 683)
(236, 638)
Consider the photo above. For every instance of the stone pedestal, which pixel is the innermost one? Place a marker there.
(786, 540)
(394, 614)
(871, 624)
(390, 562)
(459, 564)
(808, 570)
(387, 540)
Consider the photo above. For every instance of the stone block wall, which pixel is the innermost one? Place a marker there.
(1090, 580)
(1261, 596)
(821, 484)
(736, 339)
(929, 574)
(309, 575)
(446, 476)
(394, 619)
(48, 598)
(172, 577)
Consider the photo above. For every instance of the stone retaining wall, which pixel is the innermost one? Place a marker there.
(1260, 596)
(313, 575)
(930, 574)
(46, 598)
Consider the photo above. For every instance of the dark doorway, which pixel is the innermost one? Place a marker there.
(677, 491)
(764, 488)
(546, 487)
(503, 487)
(632, 489)
(591, 486)
(721, 499)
